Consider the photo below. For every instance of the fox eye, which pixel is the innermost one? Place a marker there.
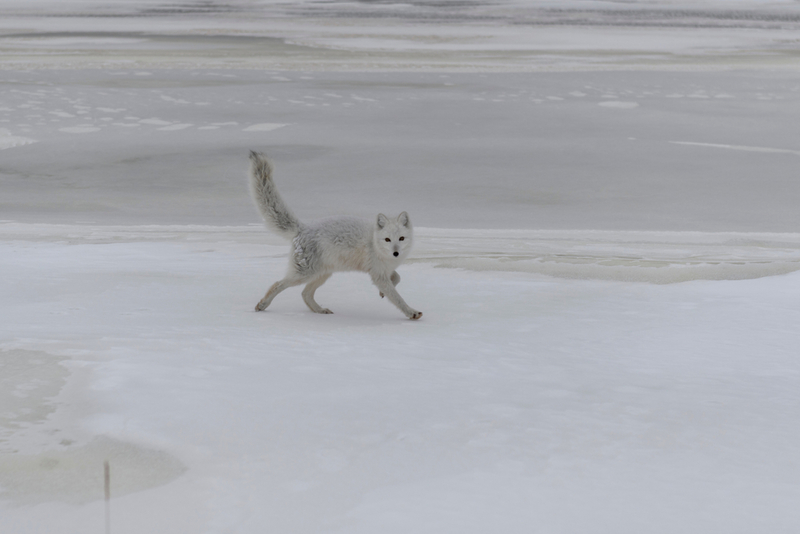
(401, 238)
(388, 240)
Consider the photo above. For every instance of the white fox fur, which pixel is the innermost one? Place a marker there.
(335, 244)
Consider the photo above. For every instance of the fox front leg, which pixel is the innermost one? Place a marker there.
(395, 278)
(387, 288)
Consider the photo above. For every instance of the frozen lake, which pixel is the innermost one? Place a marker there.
(587, 150)
(607, 248)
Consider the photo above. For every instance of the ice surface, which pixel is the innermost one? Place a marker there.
(605, 202)
(68, 473)
(29, 381)
(513, 150)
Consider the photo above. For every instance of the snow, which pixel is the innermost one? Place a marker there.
(607, 257)
(517, 400)
(10, 141)
(263, 127)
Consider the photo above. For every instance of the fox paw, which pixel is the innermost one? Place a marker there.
(325, 310)
(380, 293)
(260, 307)
(414, 316)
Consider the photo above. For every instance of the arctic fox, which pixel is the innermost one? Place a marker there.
(335, 244)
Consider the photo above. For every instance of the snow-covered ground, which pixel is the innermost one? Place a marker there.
(608, 242)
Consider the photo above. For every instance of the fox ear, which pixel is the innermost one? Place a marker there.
(382, 220)
(403, 219)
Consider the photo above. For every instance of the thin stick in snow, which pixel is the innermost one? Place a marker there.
(107, 479)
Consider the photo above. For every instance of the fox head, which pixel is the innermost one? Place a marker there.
(393, 237)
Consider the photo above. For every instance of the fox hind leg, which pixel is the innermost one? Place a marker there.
(308, 294)
(277, 287)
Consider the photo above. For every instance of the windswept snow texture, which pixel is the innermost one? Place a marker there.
(605, 204)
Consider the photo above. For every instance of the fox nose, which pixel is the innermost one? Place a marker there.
(396, 254)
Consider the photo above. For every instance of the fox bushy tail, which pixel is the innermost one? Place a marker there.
(269, 202)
